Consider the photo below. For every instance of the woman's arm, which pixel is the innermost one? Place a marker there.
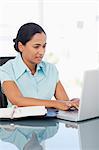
(14, 95)
(60, 93)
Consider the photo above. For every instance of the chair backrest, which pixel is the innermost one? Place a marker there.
(3, 99)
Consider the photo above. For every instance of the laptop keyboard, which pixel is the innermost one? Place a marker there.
(68, 115)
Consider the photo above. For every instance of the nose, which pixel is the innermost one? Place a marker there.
(41, 50)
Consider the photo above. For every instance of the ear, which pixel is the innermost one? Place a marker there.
(20, 46)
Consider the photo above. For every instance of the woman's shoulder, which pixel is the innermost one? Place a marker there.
(8, 65)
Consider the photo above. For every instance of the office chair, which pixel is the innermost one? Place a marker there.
(3, 99)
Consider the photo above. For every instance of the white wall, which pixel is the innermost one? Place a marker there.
(71, 29)
(13, 14)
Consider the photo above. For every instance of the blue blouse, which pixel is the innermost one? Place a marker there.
(41, 85)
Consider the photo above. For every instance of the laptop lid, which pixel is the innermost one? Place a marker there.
(90, 96)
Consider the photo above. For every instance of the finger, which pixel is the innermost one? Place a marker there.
(76, 106)
(68, 104)
(75, 99)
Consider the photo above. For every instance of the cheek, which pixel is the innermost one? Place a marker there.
(29, 52)
(32, 56)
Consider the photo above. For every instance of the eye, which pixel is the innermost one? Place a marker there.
(44, 45)
(36, 46)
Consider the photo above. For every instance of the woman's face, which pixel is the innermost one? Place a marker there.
(33, 51)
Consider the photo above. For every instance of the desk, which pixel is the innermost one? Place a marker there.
(51, 134)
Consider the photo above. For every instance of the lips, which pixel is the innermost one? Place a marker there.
(39, 58)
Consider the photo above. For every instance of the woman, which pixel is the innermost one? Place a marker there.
(27, 80)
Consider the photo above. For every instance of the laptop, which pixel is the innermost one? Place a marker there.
(89, 101)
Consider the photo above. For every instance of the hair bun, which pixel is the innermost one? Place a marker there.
(14, 40)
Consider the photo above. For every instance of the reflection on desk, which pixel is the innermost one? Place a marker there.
(88, 133)
(51, 134)
(28, 136)
(7, 145)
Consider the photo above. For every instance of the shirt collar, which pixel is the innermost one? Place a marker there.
(41, 66)
(20, 67)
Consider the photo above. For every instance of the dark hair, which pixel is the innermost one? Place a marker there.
(26, 32)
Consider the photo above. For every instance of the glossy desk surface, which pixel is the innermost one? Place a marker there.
(49, 134)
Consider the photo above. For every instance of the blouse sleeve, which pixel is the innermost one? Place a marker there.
(4, 76)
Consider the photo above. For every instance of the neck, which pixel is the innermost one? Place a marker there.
(31, 66)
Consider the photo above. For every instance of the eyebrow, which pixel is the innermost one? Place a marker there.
(39, 44)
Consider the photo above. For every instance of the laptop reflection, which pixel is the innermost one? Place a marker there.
(88, 133)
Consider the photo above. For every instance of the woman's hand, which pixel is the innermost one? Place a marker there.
(62, 105)
(67, 104)
(75, 102)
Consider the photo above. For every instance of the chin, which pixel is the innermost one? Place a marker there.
(37, 62)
